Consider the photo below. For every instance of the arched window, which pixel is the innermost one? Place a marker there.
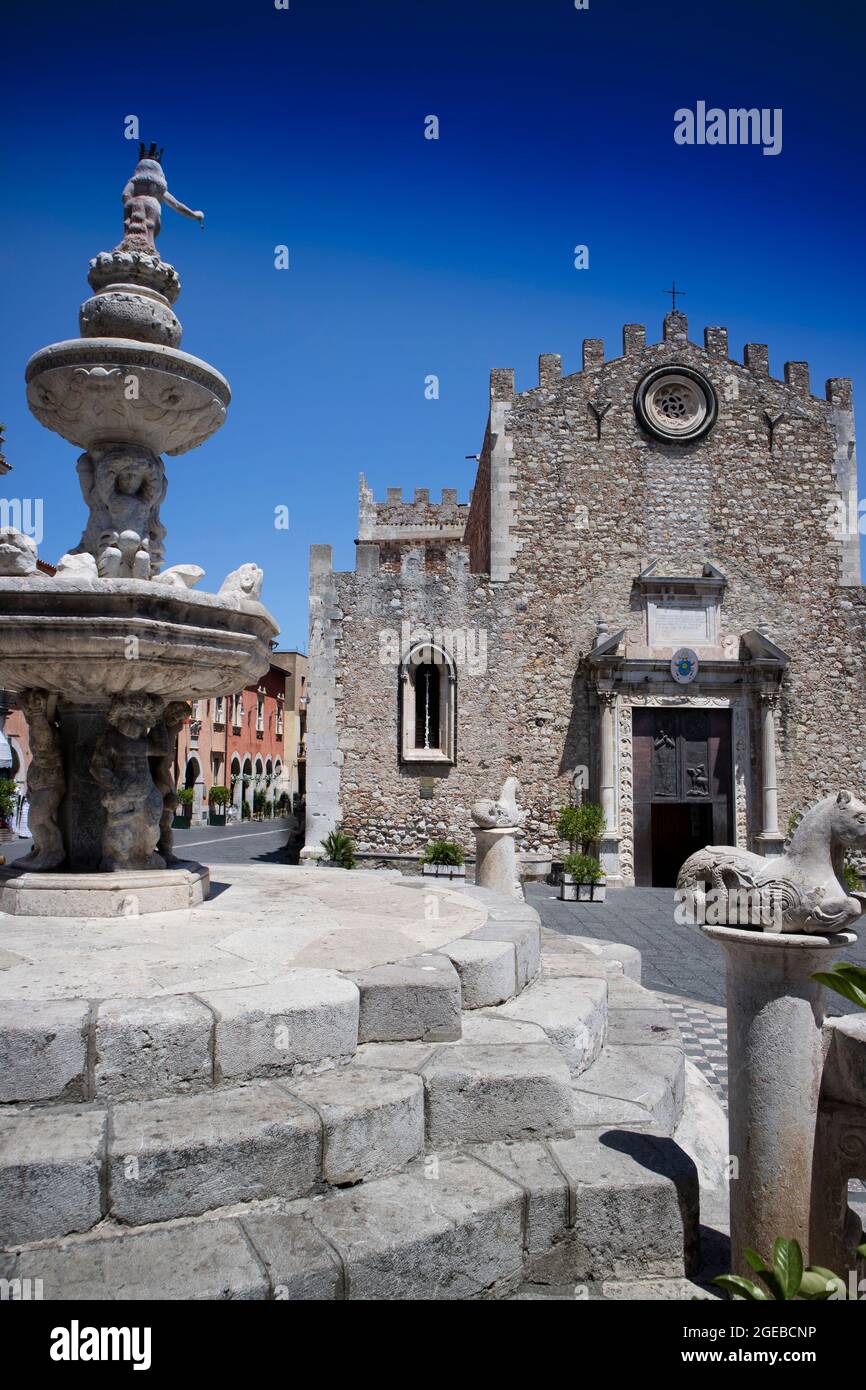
(428, 705)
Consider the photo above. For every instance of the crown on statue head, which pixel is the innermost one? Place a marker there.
(153, 153)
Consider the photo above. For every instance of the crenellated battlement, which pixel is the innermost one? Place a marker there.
(413, 561)
(675, 331)
(400, 521)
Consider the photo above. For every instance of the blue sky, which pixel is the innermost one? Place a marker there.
(305, 127)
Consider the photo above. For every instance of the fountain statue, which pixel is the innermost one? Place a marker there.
(108, 651)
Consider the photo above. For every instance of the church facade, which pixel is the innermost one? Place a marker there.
(653, 595)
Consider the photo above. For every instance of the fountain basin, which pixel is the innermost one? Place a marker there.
(90, 639)
(116, 390)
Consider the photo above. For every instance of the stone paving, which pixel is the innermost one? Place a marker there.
(677, 959)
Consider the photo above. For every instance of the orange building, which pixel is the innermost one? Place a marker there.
(248, 742)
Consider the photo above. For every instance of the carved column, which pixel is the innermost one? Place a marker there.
(496, 859)
(610, 840)
(770, 841)
(775, 1067)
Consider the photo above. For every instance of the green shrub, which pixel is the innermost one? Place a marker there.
(845, 979)
(269, 809)
(583, 868)
(581, 825)
(219, 796)
(258, 803)
(185, 796)
(442, 852)
(340, 849)
(851, 878)
(7, 798)
(245, 810)
(786, 1279)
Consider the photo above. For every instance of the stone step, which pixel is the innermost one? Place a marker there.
(506, 1090)
(465, 1225)
(635, 1085)
(571, 1011)
(139, 1048)
(415, 998)
(64, 1169)
(76, 1050)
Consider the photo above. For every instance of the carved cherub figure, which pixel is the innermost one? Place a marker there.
(123, 485)
(143, 197)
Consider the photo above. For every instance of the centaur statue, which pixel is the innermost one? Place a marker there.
(801, 890)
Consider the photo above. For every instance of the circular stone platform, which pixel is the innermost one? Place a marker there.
(25, 894)
(282, 970)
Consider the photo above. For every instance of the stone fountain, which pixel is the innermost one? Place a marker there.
(107, 652)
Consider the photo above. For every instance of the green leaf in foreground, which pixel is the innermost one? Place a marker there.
(734, 1285)
(845, 979)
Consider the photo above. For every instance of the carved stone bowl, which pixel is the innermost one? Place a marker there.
(89, 639)
(115, 390)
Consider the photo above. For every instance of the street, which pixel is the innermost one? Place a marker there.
(247, 843)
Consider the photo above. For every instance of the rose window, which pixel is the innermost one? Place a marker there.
(676, 404)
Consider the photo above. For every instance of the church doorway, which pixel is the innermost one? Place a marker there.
(683, 784)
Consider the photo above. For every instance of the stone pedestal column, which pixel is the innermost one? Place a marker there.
(496, 859)
(770, 841)
(775, 1064)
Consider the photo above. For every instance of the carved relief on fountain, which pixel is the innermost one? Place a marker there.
(132, 803)
(123, 486)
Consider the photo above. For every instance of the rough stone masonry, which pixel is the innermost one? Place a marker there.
(669, 499)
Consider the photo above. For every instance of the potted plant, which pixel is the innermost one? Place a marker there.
(218, 800)
(582, 880)
(443, 859)
(258, 805)
(245, 810)
(183, 813)
(340, 851)
(8, 796)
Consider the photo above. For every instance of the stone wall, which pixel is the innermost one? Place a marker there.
(572, 501)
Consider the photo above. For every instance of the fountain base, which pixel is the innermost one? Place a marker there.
(130, 893)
